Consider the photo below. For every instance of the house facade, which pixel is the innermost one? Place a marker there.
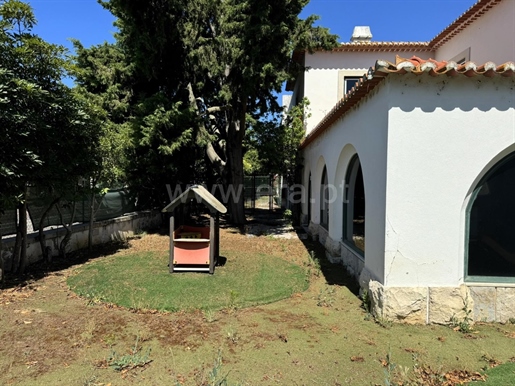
(409, 167)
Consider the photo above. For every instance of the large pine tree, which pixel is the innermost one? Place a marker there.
(223, 60)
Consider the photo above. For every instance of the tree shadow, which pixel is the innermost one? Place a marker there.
(41, 269)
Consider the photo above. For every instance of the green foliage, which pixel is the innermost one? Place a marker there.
(50, 139)
(135, 358)
(223, 61)
(465, 323)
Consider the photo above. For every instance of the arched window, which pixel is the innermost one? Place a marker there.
(324, 200)
(354, 207)
(491, 225)
(309, 199)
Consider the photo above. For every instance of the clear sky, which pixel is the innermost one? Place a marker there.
(390, 20)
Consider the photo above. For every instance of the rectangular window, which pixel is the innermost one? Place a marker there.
(349, 82)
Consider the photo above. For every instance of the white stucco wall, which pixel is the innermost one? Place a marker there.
(323, 80)
(365, 134)
(444, 134)
(490, 37)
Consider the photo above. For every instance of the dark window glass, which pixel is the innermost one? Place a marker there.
(354, 206)
(491, 241)
(350, 82)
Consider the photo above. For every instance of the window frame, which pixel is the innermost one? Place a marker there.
(324, 203)
(476, 278)
(348, 202)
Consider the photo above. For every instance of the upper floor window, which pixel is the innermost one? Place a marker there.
(349, 82)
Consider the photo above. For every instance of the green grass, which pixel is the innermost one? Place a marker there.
(142, 281)
(500, 375)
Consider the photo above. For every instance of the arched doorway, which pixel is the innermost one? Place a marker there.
(309, 199)
(324, 200)
(491, 225)
(354, 207)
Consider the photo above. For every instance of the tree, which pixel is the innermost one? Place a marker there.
(224, 59)
(50, 140)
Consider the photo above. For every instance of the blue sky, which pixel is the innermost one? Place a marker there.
(402, 20)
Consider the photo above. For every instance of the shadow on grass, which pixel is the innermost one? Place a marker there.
(41, 269)
(334, 274)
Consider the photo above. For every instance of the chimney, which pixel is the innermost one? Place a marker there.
(361, 34)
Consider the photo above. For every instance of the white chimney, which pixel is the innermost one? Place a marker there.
(361, 34)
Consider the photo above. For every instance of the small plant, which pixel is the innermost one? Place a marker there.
(130, 361)
(365, 300)
(233, 298)
(325, 297)
(389, 368)
(209, 315)
(216, 378)
(288, 215)
(464, 324)
(511, 320)
(232, 335)
(314, 263)
(383, 322)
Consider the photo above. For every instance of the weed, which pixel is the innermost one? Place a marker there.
(209, 315)
(325, 297)
(389, 368)
(383, 322)
(130, 361)
(464, 324)
(511, 320)
(232, 335)
(288, 215)
(365, 300)
(215, 375)
(314, 262)
(233, 299)
(110, 339)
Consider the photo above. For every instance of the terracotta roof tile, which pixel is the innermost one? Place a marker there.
(469, 16)
(414, 65)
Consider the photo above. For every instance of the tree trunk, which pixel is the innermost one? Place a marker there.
(23, 230)
(91, 221)
(66, 239)
(17, 243)
(42, 240)
(2, 270)
(235, 178)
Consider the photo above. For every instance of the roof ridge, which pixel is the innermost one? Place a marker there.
(463, 21)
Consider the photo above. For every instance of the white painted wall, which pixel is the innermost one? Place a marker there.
(322, 81)
(490, 38)
(443, 134)
(365, 133)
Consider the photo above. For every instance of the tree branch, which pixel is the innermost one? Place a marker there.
(202, 132)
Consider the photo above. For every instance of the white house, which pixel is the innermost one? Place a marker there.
(409, 166)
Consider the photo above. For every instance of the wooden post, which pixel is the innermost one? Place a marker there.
(212, 244)
(217, 236)
(172, 226)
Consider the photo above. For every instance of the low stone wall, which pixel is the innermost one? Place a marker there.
(117, 229)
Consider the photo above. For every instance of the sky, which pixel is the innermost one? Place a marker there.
(389, 20)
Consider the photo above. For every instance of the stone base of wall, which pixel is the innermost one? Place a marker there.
(440, 305)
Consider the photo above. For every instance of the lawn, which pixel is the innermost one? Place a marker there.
(317, 336)
(142, 281)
